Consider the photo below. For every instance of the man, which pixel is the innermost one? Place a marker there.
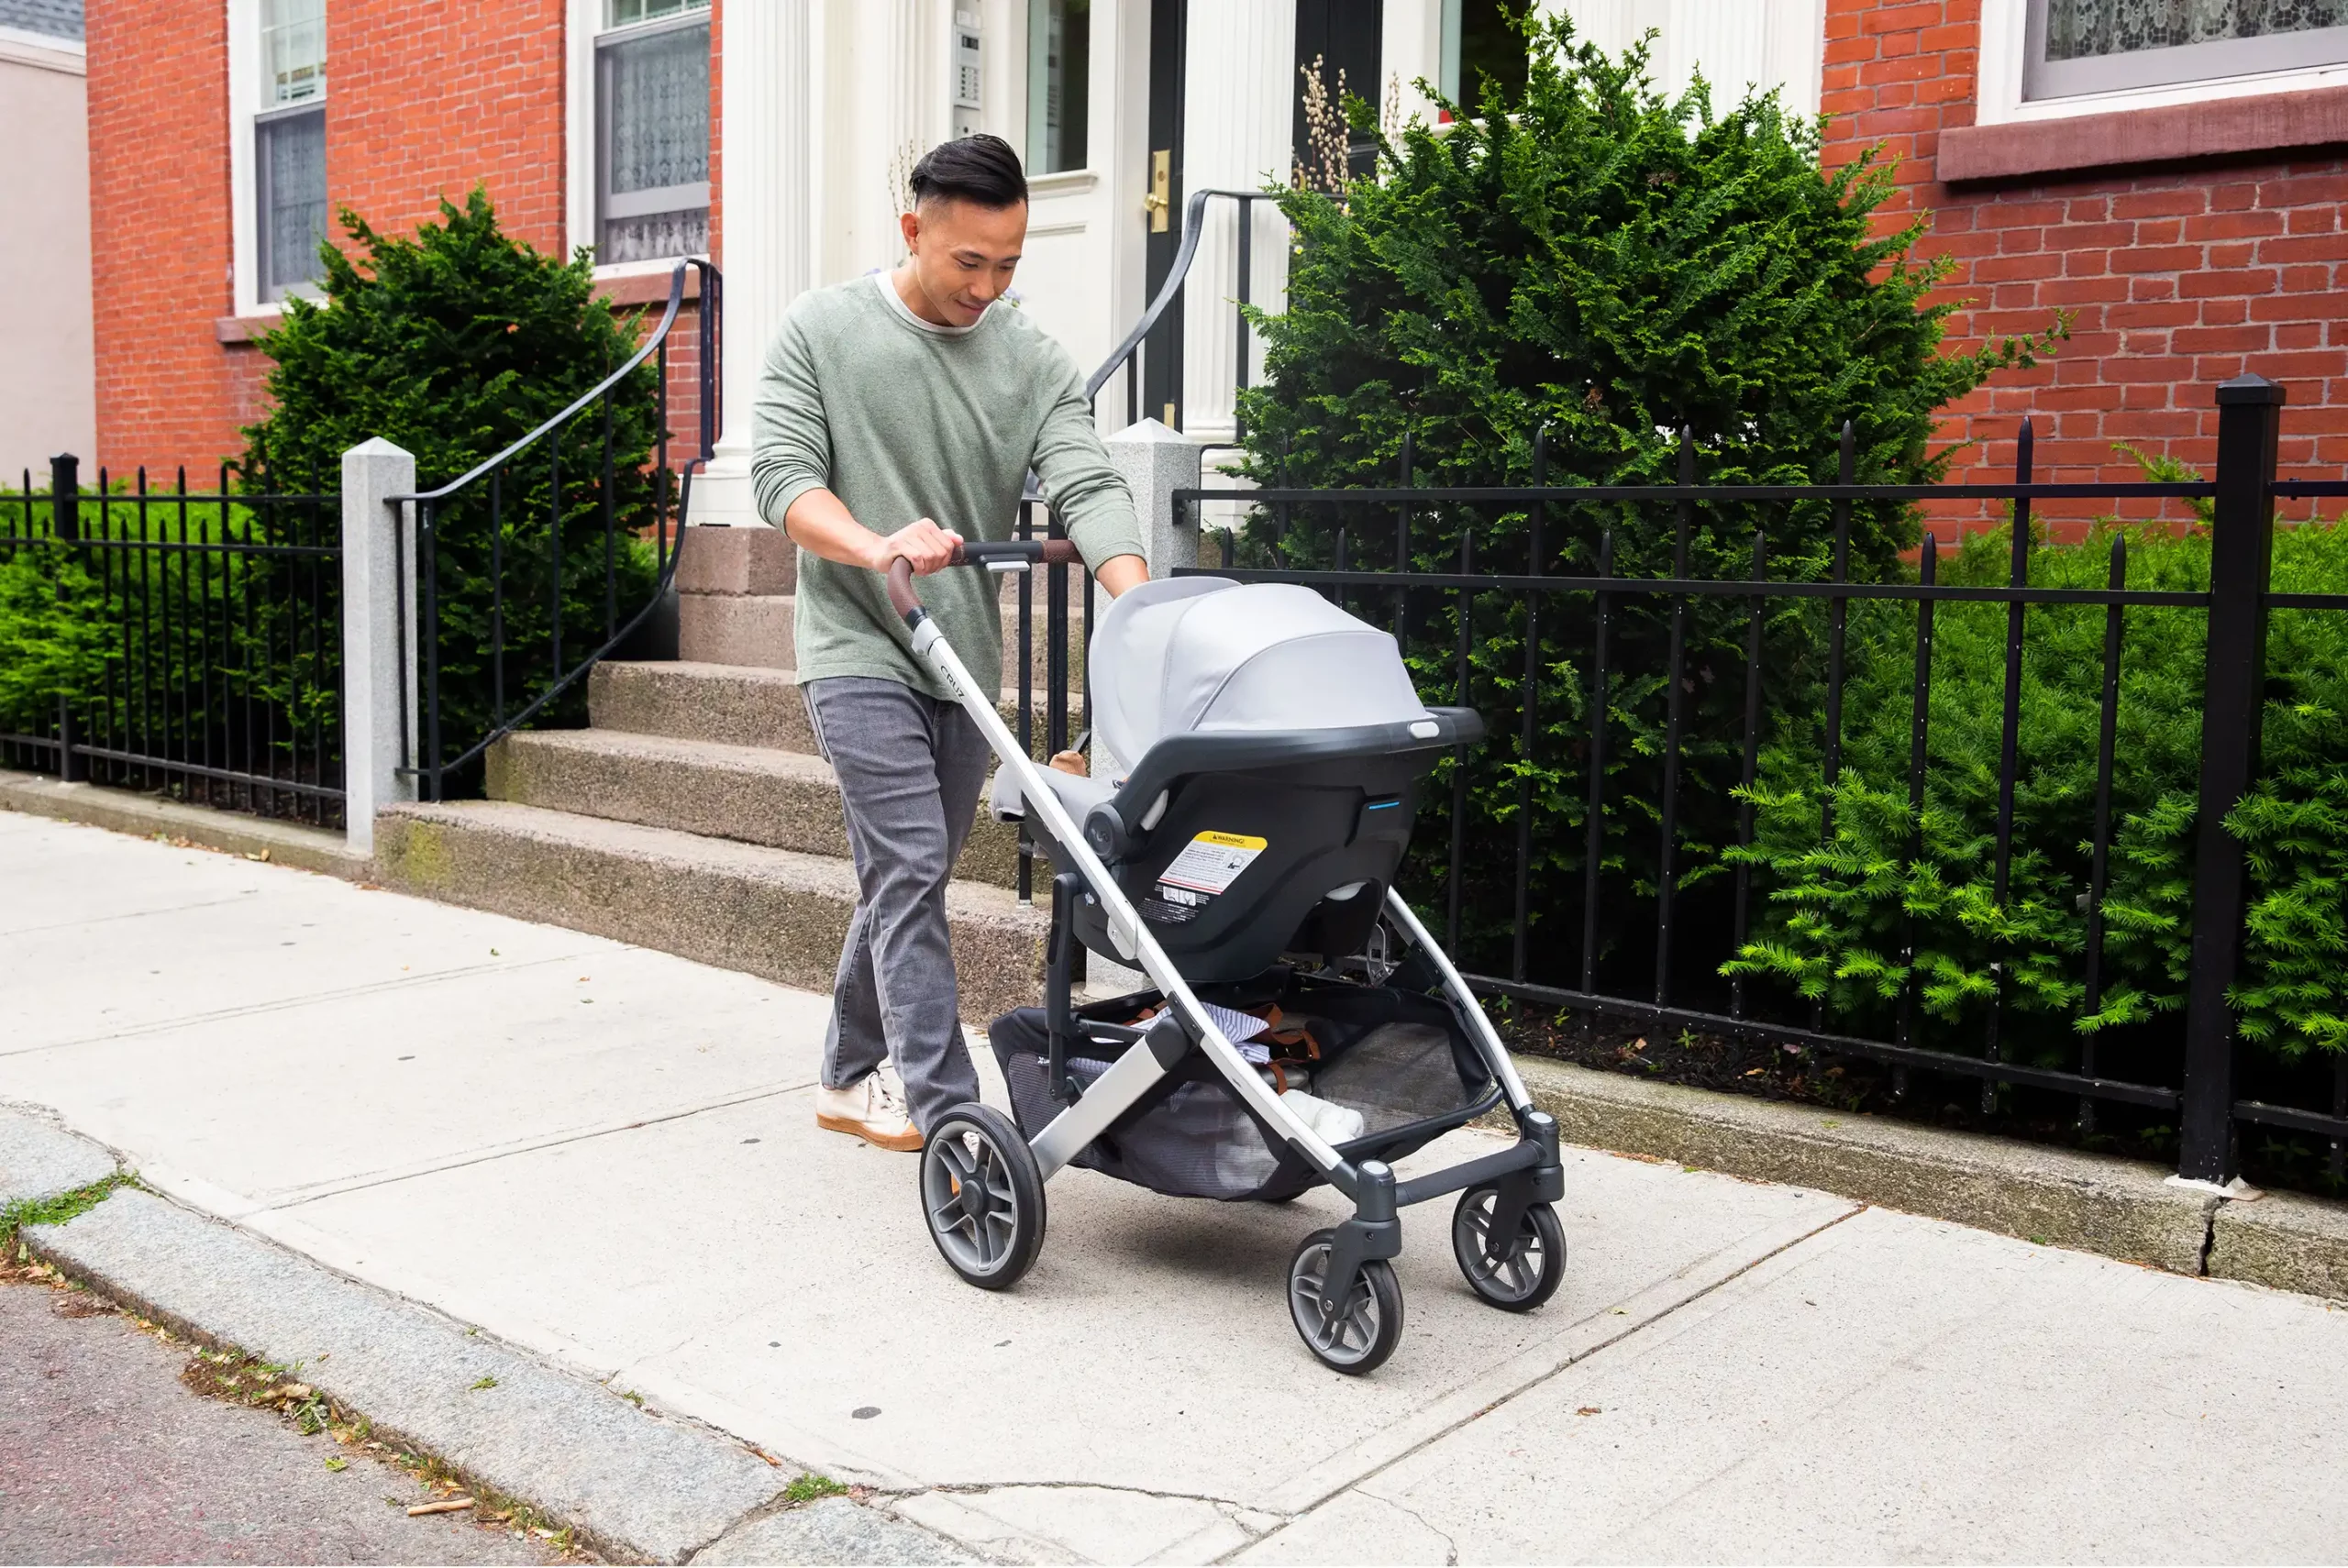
(894, 413)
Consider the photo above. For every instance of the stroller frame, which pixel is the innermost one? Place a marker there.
(1527, 1174)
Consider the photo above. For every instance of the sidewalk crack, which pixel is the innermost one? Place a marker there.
(981, 1488)
(525, 1146)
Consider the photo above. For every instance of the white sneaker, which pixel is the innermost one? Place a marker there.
(873, 1110)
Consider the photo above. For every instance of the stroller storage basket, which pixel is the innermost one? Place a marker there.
(1403, 1062)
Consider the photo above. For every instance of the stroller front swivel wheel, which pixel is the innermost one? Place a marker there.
(1515, 1273)
(983, 1196)
(1357, 1334)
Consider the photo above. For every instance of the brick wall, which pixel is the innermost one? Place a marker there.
(159, 232)
(427, 98)
(2176, 276)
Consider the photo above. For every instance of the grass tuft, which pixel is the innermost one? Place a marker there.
(810, 1486)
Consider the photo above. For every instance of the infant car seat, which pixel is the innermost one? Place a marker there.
(1257, 758)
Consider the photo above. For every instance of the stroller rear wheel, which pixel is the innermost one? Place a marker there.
(1362, 1332)
(1515, 1273)
(983, 1196)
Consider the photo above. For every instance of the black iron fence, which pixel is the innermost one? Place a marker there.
(1066, 625)
(182, 641)
(554, 554)
(1613, 855)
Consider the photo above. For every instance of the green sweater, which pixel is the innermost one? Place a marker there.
(903, 420)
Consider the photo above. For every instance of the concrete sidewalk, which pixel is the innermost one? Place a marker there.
(606, 1156)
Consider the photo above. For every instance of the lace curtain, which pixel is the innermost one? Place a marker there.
(657, 98)
(2086, 29)
(659, 108)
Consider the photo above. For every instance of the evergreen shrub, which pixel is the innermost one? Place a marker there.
(172, 644)
(1841, 908)
(453, 345)
(1597, 260)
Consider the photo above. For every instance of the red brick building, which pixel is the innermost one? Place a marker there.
(2186, 213)
(2170, 174)
(188, 107)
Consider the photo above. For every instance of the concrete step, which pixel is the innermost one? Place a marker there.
(776, 914)
(732, 704)
(755, 630)
(737, 560)
(752, 630)
(784, 800)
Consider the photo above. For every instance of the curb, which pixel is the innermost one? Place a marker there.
(282, 843)
(2121, 1208)
(2285, 1241)
(636, 1486)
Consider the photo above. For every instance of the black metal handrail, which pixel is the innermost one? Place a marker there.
(432, 769)
(1194, 211)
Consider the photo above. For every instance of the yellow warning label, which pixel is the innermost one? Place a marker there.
(1212, 862)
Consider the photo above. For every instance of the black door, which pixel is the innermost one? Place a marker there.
(1342, 35)
(1161, 381)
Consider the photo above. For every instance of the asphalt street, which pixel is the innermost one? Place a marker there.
(106, 1457)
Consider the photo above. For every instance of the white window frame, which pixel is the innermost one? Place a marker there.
(2005, 39)
(248, 106)
(582, 25)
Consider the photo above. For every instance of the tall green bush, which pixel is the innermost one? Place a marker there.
(454, 344)
(1611, 265)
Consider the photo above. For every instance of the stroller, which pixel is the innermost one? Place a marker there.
(1257, 755)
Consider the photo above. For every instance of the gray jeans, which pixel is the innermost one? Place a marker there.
(910, 769)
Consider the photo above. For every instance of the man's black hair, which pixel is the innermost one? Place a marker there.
(981, 169)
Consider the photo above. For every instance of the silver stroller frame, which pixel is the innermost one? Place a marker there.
(985, 1171)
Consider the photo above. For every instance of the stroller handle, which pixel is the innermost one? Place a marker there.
(1020, 554)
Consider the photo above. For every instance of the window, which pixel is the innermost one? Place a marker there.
(2075, 47)
(1481, 39)
(290, 146)
(1059, 76)
(652, 130)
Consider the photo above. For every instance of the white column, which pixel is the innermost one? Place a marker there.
(1411, 43)
(379, 695)
(1757, 44)
(1240, 97)
(771, 195)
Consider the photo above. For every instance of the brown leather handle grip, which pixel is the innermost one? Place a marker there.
(1045, 552)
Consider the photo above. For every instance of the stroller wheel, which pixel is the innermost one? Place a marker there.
(1517, 1274)
(1360, 1335)
(983, 1196)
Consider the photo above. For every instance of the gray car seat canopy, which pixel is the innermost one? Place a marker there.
(1204, 653)
(1186, 654)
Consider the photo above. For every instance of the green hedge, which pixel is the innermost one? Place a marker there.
(1841, 905)
(169, 645)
